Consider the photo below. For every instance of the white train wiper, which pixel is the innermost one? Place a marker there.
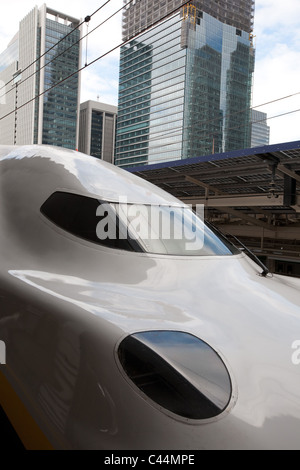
(265, 270)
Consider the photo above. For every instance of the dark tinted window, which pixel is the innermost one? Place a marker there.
(77, 214)
(135, 227)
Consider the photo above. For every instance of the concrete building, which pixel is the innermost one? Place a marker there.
(97, 128)
(260, 131)
(45, 51)
(185, 84)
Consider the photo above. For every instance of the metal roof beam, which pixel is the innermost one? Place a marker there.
(238, 201)
(247, 218)
(289, 172)
(237, 170)
(203, 185)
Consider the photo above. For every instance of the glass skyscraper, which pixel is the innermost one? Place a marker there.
(44, 52)
(185, 84)
(260, 133)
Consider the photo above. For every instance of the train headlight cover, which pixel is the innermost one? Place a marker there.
(178, 371)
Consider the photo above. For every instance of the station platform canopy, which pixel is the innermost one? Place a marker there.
(265, 177)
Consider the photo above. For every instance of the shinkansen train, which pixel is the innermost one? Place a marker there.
(126, 322)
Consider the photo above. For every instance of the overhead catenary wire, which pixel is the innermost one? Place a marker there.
(175, 131)
(86, 20)
(98, 58)
(178, 132)
(158, 22)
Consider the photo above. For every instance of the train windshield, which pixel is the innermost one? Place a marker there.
(169, 230)
(156, 229)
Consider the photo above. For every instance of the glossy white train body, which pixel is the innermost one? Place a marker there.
(98, 338)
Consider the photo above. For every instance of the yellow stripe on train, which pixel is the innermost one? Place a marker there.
(23, 423)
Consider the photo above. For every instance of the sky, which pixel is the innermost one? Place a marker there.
(276, 41)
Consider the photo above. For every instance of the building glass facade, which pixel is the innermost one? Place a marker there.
(184, 89)
(60, 103)
(96, 134)
(10, 55)
(53, 116)
(151, 96)
(8, 96)
(260, 131)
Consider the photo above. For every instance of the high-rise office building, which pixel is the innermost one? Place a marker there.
(97, 127)
(45, 51)
(185, 84)
(260, 131)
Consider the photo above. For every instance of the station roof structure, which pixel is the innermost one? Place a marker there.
(261, 180)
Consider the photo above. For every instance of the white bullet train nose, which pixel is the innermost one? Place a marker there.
(128, 323)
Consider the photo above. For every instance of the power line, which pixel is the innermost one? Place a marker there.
(178, 132)
(219, 119)
(153, 25)
(98, 58)
(86, 20)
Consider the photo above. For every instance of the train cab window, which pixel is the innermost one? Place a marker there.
(78, 215)
(155, 229)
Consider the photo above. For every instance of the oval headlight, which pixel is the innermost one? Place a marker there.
(178, 371)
